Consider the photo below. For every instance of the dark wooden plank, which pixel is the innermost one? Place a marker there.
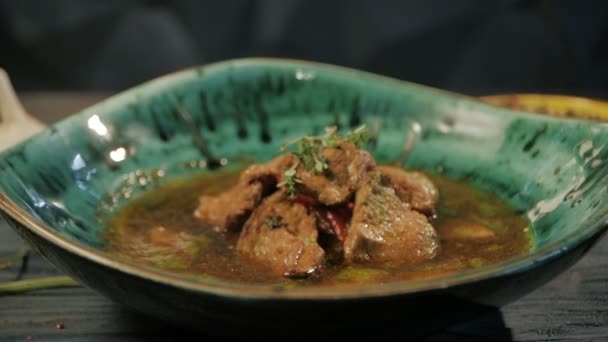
(574, 306)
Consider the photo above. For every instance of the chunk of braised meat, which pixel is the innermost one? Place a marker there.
(347, 165)
(282, 235)
(385, 229)
(273, 168)
(229, 209)
(413, 188)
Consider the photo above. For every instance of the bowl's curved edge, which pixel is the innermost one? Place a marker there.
(518, 264)
(552, 104)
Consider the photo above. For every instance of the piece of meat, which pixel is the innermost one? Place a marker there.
(331, 223)
(282, 235)
(384, 229)
(413, 188)
(347, 165)
(273, 169)
(231, 208)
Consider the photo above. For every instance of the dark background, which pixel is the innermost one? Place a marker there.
(471, 46)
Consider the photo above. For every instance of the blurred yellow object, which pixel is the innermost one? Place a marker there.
(555, 105)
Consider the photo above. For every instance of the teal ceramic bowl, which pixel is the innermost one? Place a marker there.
(54, 183)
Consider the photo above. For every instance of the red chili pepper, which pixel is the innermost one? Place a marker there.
(337, 216)
(345, 211)
(337, 222)
(303, 199)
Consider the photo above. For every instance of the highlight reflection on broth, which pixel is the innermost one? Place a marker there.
(325, 214)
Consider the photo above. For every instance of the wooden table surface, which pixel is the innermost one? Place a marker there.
(573, 306)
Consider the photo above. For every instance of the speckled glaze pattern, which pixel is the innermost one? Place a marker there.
(70, 176)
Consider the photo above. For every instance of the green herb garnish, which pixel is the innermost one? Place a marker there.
(359, 137)
(308, 152)
(274, 222)
(290, 180)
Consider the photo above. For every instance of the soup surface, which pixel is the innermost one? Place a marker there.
(474, 227)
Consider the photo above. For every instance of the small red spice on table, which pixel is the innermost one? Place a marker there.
(59, 326)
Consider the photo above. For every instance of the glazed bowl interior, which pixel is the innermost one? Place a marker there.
(64, 182)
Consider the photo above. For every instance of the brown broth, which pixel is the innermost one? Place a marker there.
(475, 227)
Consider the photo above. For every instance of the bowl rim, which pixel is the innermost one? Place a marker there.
(581, 108)
(223, 288)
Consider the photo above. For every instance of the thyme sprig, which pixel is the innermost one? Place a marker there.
(289, 180)
(274, 222)
(308, 152)
(359, 137)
